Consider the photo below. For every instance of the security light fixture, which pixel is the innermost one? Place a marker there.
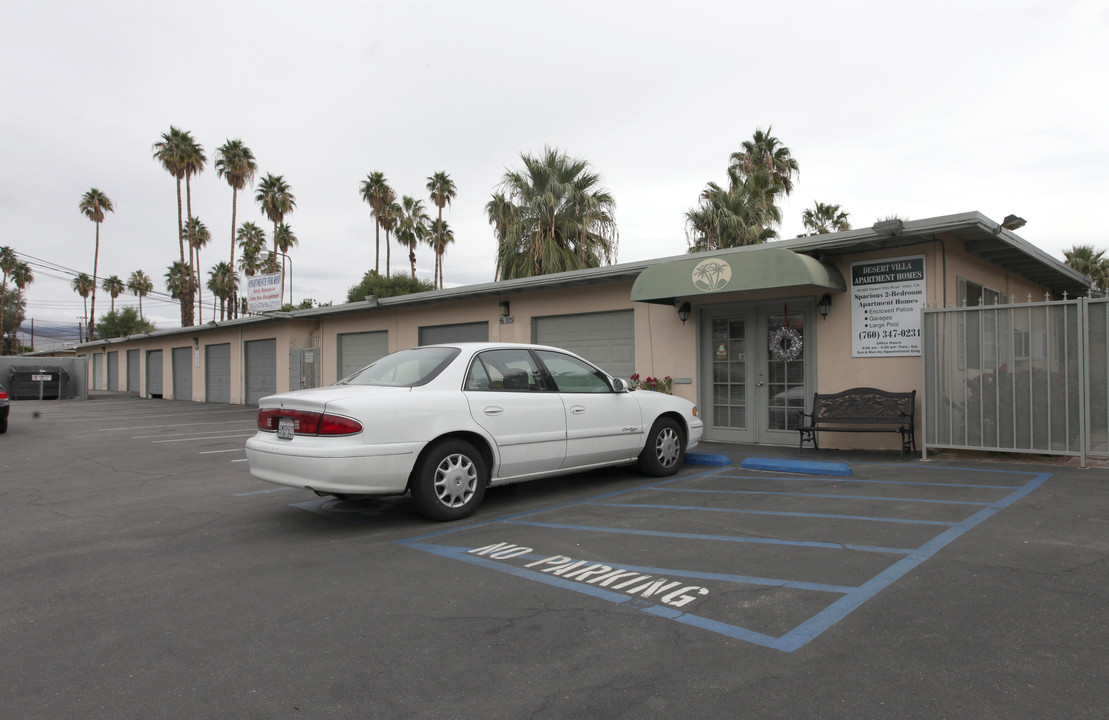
(683, 312)
(1012, 222)
(505, 308)
(824, 305)
(888, 227)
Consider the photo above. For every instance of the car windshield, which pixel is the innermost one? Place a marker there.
(407, 368)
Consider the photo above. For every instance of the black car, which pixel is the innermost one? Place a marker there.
(3, 410)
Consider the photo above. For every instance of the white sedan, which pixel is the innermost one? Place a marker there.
(446, 421)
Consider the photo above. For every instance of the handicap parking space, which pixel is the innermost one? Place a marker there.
(773, 559)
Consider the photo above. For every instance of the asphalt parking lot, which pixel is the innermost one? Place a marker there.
(145, 574)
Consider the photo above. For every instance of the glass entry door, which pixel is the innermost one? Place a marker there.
(754, 370)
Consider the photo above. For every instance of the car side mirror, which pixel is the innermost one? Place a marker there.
(619, 385)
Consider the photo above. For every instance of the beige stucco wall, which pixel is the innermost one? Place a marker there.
(663, 344)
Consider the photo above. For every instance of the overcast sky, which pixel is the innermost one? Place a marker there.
(915, 109)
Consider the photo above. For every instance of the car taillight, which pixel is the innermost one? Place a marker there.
(3, 395)
(308, 423)
(338, 425)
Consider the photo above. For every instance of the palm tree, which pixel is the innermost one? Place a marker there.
(286, 240)
(1090, 262)
(442, 191)
(8, 261)
(277, 200)
(731, 217)
(83, 285)
(173, 151)
(501, 214)
(22, 277)
(378, 195)
(439, 238)
(390, 216)
(412, 227)
(114, 287)
(178, 280)
(139, 284)
(197, 236)
(222, 281)
(822, 219)
(765, 150)
(94, 204)
(561, 218)
(252, 241)
(235, 163)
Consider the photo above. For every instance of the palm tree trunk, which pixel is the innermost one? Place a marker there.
(186, 305)
(387, 253)
(90, 334)
(377, 244)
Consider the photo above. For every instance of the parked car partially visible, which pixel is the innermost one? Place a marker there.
(5, 407)
(445, 422)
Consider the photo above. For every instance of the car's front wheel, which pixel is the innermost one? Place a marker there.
(664, 452)
(449, 481)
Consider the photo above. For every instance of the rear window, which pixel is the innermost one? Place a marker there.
(407, 368)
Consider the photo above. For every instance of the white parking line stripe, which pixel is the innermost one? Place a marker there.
(208, 437)
(213, 452)
(147, 427)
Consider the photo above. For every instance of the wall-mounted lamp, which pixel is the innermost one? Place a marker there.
(505, 309)
(824, 305)
(888, 227)
(1011, 222)
(196, 341)
(683, 312)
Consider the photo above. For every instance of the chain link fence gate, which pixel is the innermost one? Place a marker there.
(1027, 378)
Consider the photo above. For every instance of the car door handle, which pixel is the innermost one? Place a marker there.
(494, 410)
(577, 409)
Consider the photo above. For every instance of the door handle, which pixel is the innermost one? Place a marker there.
(494, 410)
(577, 410)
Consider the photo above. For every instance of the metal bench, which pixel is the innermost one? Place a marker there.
(861, 409)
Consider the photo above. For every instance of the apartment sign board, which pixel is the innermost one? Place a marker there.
(264, 292)
(887, 300)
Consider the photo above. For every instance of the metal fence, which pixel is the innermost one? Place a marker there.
(1028, 378)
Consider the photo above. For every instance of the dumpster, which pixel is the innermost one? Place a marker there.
(37, 383)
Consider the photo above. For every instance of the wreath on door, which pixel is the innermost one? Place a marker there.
(785, 344)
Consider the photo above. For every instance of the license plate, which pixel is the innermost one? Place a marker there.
(285, 430)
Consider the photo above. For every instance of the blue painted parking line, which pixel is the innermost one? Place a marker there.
(826, 496)
(672, 593)
(719, 538)
(740, 511)
(854, 481)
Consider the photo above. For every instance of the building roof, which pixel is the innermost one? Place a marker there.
(984, 239)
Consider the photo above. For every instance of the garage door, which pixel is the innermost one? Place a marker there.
(357, 350)
(462, 332)
(182, 373)
(113, 370)
(217, 373)
(261, 369)
(154, 373)
(98, 371)
(606, 339)
(132, 371)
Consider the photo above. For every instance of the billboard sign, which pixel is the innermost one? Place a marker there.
(263, 293)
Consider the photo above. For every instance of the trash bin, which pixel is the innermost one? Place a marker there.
(37, 383)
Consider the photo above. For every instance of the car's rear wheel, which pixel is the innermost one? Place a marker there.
(664, 452)
(449, 482)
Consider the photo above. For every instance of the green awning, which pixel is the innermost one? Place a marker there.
(760, 269)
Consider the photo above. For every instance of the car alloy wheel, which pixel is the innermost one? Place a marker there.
(455, 480)
(668, 447)
(664, 451)
(449, 480)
